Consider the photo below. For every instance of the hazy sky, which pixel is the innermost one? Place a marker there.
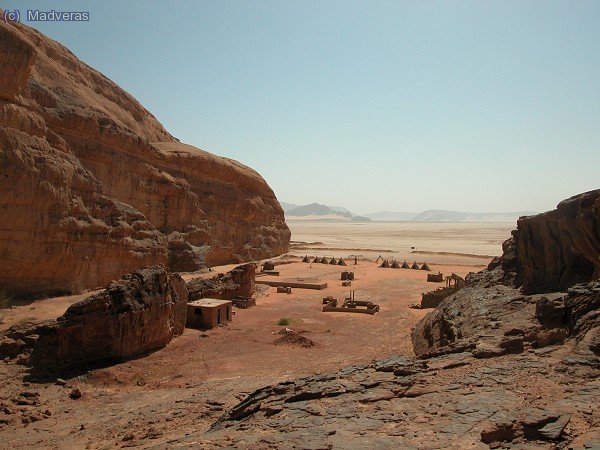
(380, 105)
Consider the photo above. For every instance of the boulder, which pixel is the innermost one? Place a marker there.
(238, 283)
(139, 313)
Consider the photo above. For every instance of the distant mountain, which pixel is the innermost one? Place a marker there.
(436, 215)
(288, 206)
(340, 209)
(318, 212)
(314, 209)
(324, 213)
(391, 216)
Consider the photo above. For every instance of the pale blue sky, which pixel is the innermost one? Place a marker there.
(380, 105)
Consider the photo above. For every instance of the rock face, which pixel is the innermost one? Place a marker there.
(140, 313)
(579, 315)
(92, 186)
(559, 248)
(548, 251)
(238, 283)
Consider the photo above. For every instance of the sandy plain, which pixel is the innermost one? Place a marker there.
(183, 388)
(454, 243)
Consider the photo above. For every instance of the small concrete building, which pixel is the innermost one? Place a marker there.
(208, 313)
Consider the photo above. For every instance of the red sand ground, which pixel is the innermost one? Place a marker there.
(340, 338)
(219, 364)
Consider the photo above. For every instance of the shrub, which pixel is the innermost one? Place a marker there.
(284, 321)
(4, 300)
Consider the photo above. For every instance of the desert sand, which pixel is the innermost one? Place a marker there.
(456, 243)
(223, 364)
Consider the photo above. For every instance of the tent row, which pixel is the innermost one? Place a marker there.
(324, 260)
(394, 265)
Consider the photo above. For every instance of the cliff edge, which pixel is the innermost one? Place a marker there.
(92, 186)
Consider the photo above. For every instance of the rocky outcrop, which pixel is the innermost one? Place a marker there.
(559, 248)
(235, 284)
(549, 251)
(19, 340)
(451, 401)
(140, 313)
(92, 186)
(578, 315)
(582, 314)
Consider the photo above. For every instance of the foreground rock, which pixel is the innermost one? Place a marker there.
(140, 313)
(236, 284)
(497, 366)
(92, 186)
(559, 248)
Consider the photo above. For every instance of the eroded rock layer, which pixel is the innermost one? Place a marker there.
(559, 248)
(235, 284)
(92, 186)
(140, 313)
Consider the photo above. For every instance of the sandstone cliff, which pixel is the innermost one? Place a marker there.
(92, 186)
(559, 248)
(141, 312)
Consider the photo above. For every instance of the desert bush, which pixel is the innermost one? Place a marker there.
(284, 321)
(4, 299)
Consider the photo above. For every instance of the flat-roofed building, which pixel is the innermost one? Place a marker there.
(208, 313)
